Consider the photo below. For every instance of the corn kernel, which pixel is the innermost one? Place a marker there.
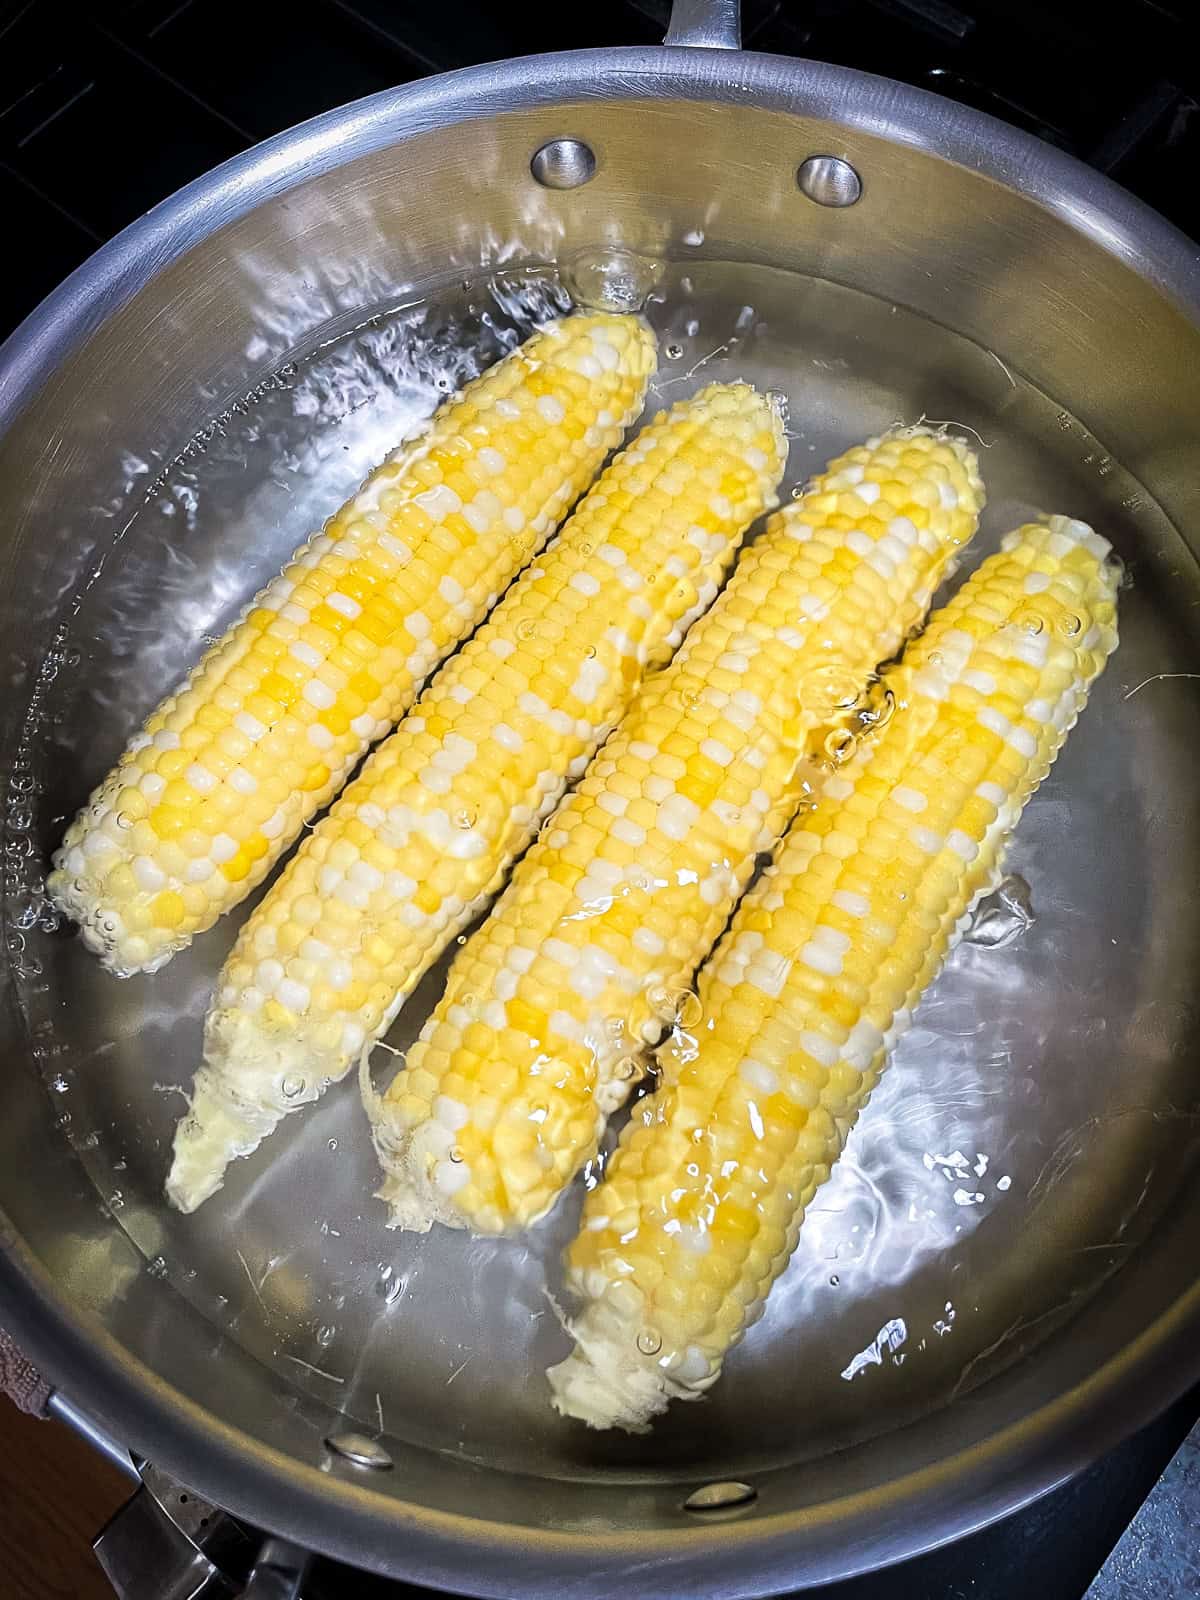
(723, 721)
(237, 699)
(720, 1164)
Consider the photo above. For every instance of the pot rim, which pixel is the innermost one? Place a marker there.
(769, 1551)
(859, 101)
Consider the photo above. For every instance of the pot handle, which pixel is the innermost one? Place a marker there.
(21, 1381)
(711, 24)
(30, 1392)
(168, 1543)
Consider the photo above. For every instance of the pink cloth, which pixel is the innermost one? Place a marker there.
(20, 1381)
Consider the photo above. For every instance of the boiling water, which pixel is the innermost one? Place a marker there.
(1033, 1123)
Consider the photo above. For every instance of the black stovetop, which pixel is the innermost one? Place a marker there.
(107, 108)
(110, 107)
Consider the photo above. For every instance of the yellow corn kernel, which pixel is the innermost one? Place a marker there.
(711, 745)
(718, 1166)
(428, 831)
(369, 586)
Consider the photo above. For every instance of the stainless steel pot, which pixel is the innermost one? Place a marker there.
(939, 258)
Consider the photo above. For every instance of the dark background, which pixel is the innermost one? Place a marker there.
(107, 108)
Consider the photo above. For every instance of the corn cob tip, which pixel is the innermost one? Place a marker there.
(421, 1174)
(249, 1081)
(410, 1159)
(609, 1393)
(941, 434)
(1070, 529)
(603, 1384)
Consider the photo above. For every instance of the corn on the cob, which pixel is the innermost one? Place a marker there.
(611, 911)
(273, 719)
(426, 834)
(818, 975)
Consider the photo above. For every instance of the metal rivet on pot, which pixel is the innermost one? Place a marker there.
(359, 1448)
(720, 1496)
(563, 164)
(829, 181)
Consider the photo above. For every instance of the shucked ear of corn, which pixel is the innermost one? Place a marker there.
(818, 975)
(274, 718)
(622, 897)
(427, 833)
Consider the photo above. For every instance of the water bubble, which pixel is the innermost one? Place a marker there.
(797, 491)
(834, 1281)
(465, 818)
(614, 1027)
(124, 820)
(649, 1341)
(680, 1008)
(292, 1086)
(157, 1268)
(688, 1009)
(462, 939)
(628, 1068)
(674, 351)
(880, 707)
(692, 327)
(394, 1290)
(1002, 916)
(1032, 622)
(1117, 572)
(593, 1171)
(611, 280)
(830, 687)
(60, 1084)
(116, 1200)
(1069, 625)
(589, 652)
(456, 1156)
(325, 1334)
(332, 1145)
(839, 745)
(526, 629)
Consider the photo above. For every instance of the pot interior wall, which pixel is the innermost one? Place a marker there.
(940, 293)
